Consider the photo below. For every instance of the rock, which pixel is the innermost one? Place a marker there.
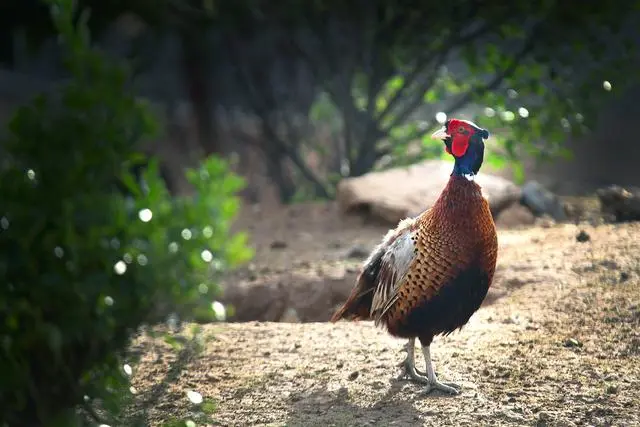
(288, 296)
(620, 203)
(583, 236)
(609, 264)
(572, 342)
(542, 201)
(397, 193)
(515, 215)
(543, 419)
(545, 221)
(358, 252)
(573, 211)
(278, 244)
(260, 301)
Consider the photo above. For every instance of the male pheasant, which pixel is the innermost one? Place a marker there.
(429, 275)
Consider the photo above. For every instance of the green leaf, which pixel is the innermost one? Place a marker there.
(431, 96)
(96, 264)
(518, 172)
(396, 83)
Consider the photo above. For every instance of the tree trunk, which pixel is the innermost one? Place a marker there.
(279, 173)
(197, 78)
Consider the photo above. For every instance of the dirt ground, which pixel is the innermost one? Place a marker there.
(557, 343)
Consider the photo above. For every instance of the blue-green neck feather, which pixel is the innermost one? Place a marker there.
(470, 163)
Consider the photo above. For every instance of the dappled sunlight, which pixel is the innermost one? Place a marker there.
(206, 255)
(145, 215)
(219, 310)
(127, 369)
(120, 267)
(523, 112)
(508, 116)
(190, 192)
(194, 397)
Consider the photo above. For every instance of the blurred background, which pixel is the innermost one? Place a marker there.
(252, 152)
(304, 95)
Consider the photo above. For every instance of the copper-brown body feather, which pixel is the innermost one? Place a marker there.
(430, 274)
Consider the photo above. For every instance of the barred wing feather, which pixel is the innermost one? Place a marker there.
(398, 249)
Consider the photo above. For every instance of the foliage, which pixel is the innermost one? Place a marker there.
(385, 70)
(84, 266)
(503, 63)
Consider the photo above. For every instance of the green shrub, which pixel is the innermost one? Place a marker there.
(83, 266)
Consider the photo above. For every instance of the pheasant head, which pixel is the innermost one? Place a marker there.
(464, 140)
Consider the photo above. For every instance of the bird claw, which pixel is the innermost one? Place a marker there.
(411, 373)
(448, 388)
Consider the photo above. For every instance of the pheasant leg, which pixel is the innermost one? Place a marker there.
(432, 380)
(408, 366)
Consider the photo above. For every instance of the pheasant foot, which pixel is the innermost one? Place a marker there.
(409, 372)
(408, 366)
(432, 380)
(448, 388)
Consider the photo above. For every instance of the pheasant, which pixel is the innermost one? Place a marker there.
(431, 273)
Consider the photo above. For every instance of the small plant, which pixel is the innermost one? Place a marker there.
(83, 266)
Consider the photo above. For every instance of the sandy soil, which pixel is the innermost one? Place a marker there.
(559, 345)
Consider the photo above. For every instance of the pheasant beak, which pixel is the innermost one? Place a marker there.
(441, 134)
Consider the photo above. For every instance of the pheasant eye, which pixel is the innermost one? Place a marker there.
(461, 129)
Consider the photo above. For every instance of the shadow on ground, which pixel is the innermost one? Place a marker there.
(337, 408)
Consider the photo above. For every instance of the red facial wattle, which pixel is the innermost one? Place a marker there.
(459, 144)
(460, 134)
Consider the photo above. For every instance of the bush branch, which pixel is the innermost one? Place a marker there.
(493, 84)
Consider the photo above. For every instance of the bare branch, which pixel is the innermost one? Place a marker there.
(343, 92)
(422, 62)
(500, 77)
(264, 106)
(258, 101)
(294, 155)
(291, 152)
(417, 100)
(348, 140)
(325, 66)
(375, 78)
(494, 83)
(409, 79)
